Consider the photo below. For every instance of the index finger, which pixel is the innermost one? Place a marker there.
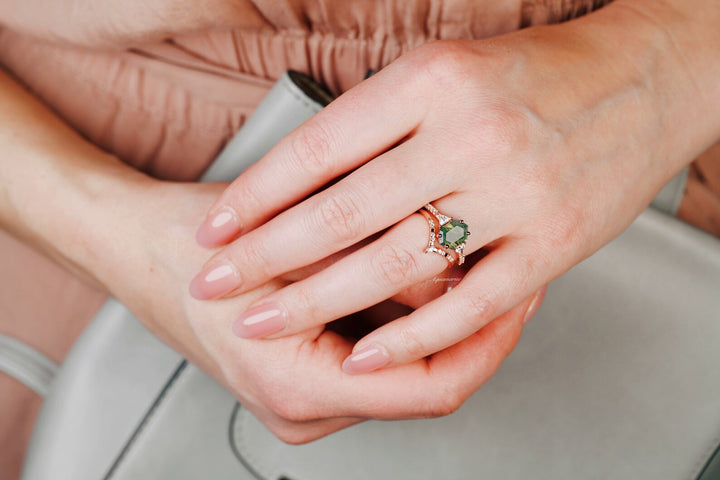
(356, 127)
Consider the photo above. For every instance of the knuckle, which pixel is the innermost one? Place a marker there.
(446, 403)
(245, 195)
(395, 266)
(292, 435)
(305, 304)
(293, 412)
(289, 408)
(526, 271)
(477, 306)
(472, 314)
(341, 215)
(444, 62)
(252, 255)
(412, 343)
(508, 129)
(564, 233)
(573, 221)
(311, 149)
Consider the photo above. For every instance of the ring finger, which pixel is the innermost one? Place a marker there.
(342, 215)
(376, 272)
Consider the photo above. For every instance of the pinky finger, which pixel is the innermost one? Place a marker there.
(492, 287)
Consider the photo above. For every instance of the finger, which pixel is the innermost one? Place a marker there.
(311, 269)
(433, 387)
(375, 273)
(467, 365)
(372, 198)
(428, 290)
(424, 388)
(497, 283)
(357, 126)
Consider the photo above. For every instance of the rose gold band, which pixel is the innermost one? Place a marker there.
(433, 245)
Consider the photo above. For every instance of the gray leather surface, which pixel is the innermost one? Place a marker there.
(617, 377)
(27, 365)
(186, 436)
(669, 198)
(106, 385)
(283, 109)
(712, 469)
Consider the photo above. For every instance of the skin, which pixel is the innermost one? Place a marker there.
(294, 385)
(514, 89)
(562, 135)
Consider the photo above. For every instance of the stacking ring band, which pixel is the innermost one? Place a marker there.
(447, 235)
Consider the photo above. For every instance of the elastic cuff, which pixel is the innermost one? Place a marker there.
(27, 365)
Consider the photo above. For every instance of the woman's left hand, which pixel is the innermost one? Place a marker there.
(547, 143)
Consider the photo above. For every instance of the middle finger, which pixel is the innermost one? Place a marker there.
(349, 211)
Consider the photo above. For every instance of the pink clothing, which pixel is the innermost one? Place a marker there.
(187, 95)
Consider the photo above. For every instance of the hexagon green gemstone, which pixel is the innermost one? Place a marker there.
(453, 234)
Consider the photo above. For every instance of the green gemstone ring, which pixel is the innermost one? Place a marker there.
(447, 235)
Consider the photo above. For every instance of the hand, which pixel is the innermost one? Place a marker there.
(547, 142)
(133, 236)
(294, 385)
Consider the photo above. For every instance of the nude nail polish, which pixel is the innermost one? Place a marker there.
(261, 321)
(214, 282)
(218, 228)
(366, 360)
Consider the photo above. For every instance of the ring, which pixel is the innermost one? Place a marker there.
(447, 235)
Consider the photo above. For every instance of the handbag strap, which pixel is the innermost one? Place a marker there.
(26, 364)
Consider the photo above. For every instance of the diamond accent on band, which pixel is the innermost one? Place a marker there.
(443, 219)
(430, 208)
(461, 253)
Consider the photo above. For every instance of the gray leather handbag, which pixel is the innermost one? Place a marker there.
(617, 377)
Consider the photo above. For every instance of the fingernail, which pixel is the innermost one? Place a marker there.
(261, 321)
(535, 304)
(366, 360)
(214, 282)
(218, 228)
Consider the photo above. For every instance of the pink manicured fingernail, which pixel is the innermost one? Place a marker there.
(535, 304)
(218, 228)
(366, 360)
(261, 321)
(214, 282)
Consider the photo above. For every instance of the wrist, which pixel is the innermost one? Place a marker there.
(670, 48)
(65, 204)
(141, 248)
(646, 68)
